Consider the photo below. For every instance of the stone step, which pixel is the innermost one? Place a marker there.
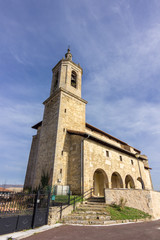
(93, 208)
(89, 222)
(87, 217)
(96, 199)
(95, 203)
(92, 212)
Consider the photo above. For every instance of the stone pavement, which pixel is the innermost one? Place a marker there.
(27, 233)
(131, 231)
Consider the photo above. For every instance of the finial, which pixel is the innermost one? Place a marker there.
(68, 55)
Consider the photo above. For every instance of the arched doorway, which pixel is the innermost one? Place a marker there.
(100, 181)
(129, 183)
(140, 183)
(116, 180)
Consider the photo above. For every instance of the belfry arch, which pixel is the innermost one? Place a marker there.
(100, 182)
(116, 180)
(129, 183)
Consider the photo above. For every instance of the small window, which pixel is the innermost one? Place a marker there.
(56, 79)
(107, 153)
(64, 129)
(120, 157)
(74, 79)
(65, 110)
(61, 170)
(132, 162)
(62, 153)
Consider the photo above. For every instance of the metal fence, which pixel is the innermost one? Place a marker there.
(23, 211)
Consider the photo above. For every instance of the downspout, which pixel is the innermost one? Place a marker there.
(137, 156)
(82, 164)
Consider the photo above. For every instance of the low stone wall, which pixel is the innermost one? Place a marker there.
(155, 196)
(145, 200)
(55, 212)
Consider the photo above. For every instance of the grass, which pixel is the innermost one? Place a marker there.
(64, 199)
(117, 213)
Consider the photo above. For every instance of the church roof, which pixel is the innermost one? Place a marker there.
(108, 135)
(93, 138)
(36, 126)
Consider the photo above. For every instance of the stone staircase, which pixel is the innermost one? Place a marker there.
(91, 212)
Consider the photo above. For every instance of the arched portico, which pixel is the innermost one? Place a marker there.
(140, 183)
(129, 183)
(100, 181)
(116, 180)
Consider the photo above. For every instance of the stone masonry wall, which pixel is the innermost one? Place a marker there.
(71, 116)
(47, 142)
(95, 158)
(144, 200)
(74, 164)
(32, 160)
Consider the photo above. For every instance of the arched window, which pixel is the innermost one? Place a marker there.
(56, 79)
(74, 79)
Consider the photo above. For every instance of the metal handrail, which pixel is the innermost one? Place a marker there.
(76, 199)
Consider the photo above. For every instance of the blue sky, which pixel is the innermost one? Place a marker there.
(116, 43)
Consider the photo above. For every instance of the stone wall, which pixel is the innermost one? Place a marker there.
(71, 117)
(55, 212)
(30, 173)
(95, 158)
(144, 200)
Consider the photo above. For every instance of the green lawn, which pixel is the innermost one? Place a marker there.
(64, 199)
(117, 213)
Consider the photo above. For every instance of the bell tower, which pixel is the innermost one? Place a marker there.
(67, 75)
(64, 110)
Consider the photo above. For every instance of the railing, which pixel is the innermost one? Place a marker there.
(16, 203)
(75, 200)
(23, 211)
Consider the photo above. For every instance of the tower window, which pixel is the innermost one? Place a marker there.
(56, 79)
(74, 79)
(107, 153)
(120, 157)
(132, 162)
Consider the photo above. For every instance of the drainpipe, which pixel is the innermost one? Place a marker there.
(137, 155)
(82, 164)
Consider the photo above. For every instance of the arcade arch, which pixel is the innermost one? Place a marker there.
(100, 182)
(129, 183)
(140, 183)
(116, 180)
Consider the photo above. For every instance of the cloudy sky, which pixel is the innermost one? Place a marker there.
(117, 43)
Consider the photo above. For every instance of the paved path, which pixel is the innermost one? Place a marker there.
(133, 231)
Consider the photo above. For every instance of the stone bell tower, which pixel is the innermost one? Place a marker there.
(64, 109)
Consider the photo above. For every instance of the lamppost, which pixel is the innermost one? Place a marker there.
(137, 155)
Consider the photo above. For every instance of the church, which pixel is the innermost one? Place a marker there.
(74, 153)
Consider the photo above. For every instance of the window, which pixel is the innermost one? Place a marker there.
(107, 153)
(132, 162)
(74, 79)
(61, 170)
(65, 110)
(120, 157)
(62, 153)
(56, 79)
